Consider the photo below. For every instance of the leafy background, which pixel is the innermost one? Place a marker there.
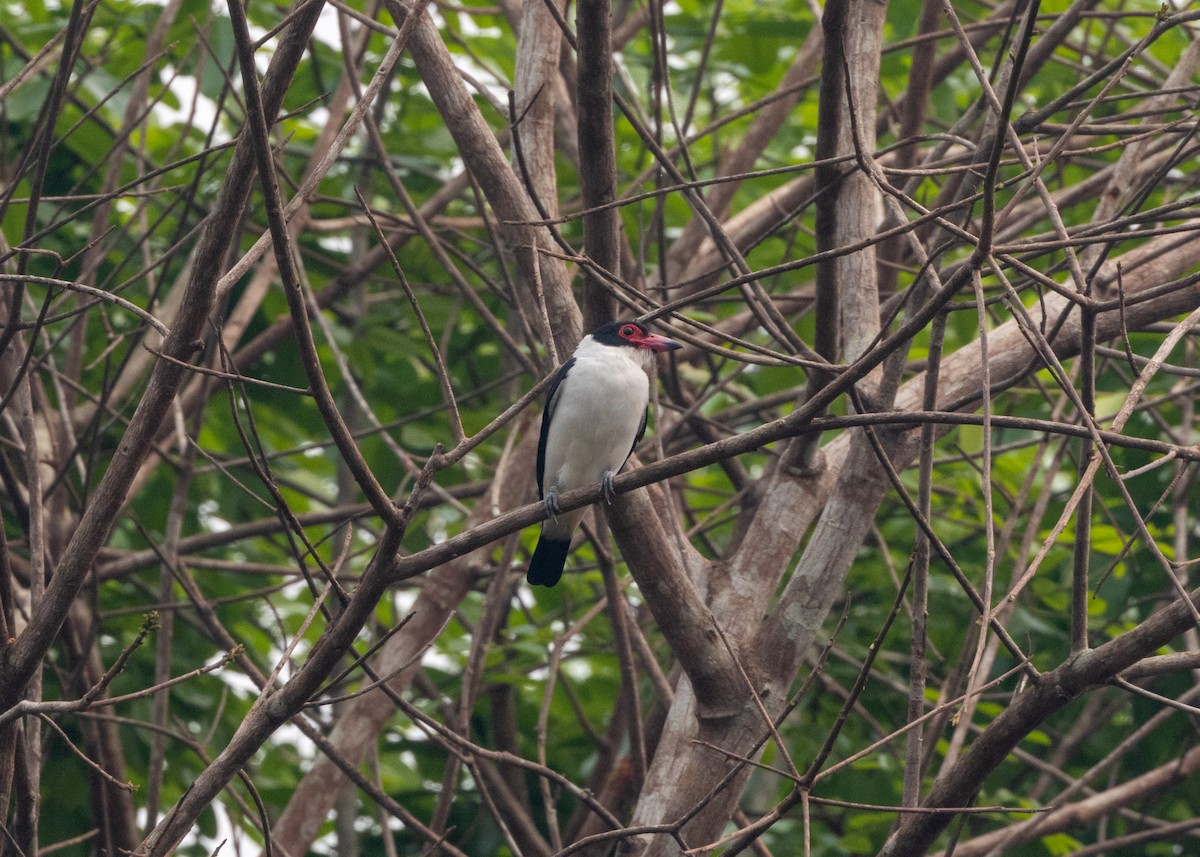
(89, 361)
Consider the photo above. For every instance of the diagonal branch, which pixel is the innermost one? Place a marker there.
(22, 658)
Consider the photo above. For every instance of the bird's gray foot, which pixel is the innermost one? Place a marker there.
(606, 487)
(551, 503)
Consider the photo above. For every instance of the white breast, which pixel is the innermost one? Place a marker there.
(597, 412)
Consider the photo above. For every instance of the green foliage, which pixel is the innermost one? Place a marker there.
(258, 449)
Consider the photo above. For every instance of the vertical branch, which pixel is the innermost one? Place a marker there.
(847, 202)
(536, 84)
(977, 673)
(164, 642)
(914, 105)
(597, 155)
(988, 221)
(917, 667)
(622, 623)
(827, 304)
(28, 799)
(1081, 559)
(828, 176)
(1182, 490)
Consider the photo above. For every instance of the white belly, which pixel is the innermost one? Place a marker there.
(596, 418)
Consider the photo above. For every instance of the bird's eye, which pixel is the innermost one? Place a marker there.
(628, 331)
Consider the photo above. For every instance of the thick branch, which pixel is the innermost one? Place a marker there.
(678, 607)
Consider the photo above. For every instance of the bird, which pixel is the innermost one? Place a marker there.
(595, 414)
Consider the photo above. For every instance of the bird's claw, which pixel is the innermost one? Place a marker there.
(606, 487)
(551, 503)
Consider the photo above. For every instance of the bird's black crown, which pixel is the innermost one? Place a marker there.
(620, 333)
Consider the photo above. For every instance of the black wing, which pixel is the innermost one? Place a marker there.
(547, 413)
(641, 431)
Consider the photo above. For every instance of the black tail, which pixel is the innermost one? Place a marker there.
(549, 557)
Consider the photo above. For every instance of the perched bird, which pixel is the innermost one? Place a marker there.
(595, 415)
